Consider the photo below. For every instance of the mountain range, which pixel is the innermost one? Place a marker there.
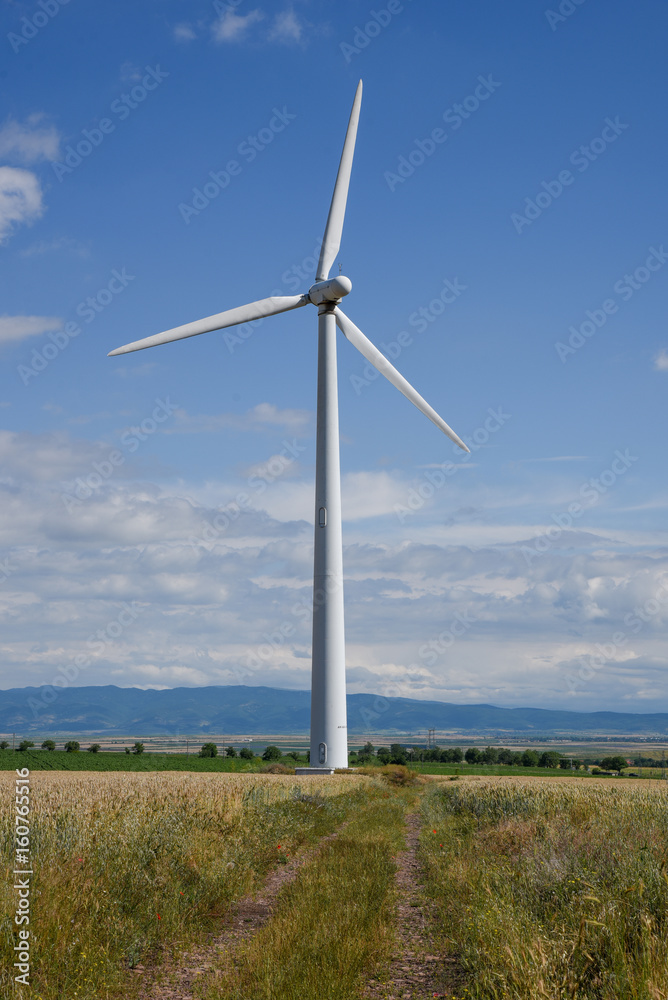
(239, 709)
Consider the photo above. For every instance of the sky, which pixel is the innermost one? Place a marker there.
(507, 240)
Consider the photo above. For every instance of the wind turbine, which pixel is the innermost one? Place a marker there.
(329, 742)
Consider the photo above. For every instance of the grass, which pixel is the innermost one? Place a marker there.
(334, 924)
(552, 889)
(126, 863)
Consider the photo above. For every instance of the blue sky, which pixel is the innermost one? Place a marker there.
(506, 236)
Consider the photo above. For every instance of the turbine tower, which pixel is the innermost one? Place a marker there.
(329, 735)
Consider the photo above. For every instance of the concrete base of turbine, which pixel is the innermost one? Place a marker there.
(314, 770)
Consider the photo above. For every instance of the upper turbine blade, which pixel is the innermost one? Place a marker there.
(331, 241)
(231, 317)
(379, 361)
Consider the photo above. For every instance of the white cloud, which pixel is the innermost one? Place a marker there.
(661, 361)
(233, 27)
(16, 328)
(54, 245)
(20, 199)
(30, 141)
(262, 416)
(213, 587)
(286, 28)
(184, 33)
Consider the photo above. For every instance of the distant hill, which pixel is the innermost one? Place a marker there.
(258, 710)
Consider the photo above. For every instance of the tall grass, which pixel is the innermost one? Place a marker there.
(552, 889)
(334, 924)
(125, 863)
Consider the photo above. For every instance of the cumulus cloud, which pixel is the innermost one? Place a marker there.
(286, 28)
(264, 415)
(20, 199)
(29, 142)
(16, 328)
(661, 361)
(184, 33)
(233, 27)
(454, 613)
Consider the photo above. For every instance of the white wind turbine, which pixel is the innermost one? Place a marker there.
(329, 743)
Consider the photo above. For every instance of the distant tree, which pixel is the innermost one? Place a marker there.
(504, 756)
(208, 750)
(138, 748)
(230, 752)
(383, 754)
(472, 756)
(48, 745)
(128, 750)
(530, 758)
(295, 755)
(26, 744)
(72, 746)
(550, 758)
(367, 748)
(490, 755)
(398, 754)
(246, 753)
(457, 755)
(272, 753)
(94, 748)
(614, 763)
(3, 745)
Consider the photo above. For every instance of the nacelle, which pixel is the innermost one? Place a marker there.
(331, 290)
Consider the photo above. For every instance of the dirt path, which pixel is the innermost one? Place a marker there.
(415, 972)
(174, 980)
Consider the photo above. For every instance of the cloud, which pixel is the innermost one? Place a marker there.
(20, 199)
(16, 328)
(232, 27)
(184, 33)
(286, 28)
(54, 245)
(661, 361)
(215, 581)
(262, 416)
(29, 142)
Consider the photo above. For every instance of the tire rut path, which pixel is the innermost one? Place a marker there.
(415, 972)
(174, 979)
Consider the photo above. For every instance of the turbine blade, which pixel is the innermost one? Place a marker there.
(331, 241)
(231, 317)
(379, 361)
